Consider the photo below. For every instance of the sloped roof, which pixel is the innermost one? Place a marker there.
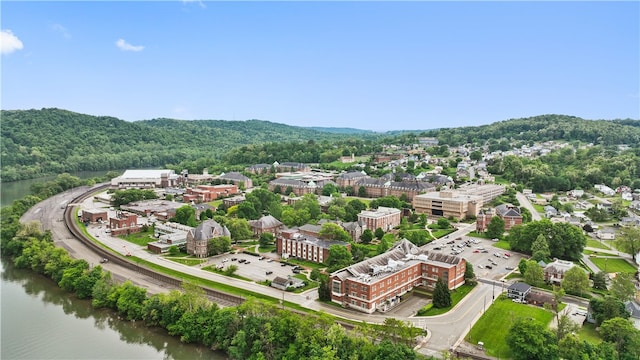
(520, 287)
(209, 229)
(234, 176)
(265, 222)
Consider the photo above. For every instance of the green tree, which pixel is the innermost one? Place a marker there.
(185, 215)
(367, 236)
(385, 243)
(324, 288)
(174, 250)
(540, 249)
(230, 270)
(362, 192)
(469, 275)
(607, 308)
(379, 233)
(443, 223)
(239, 229)
(600, 280)
(495, 229)
(565, 326)
(629, 240)
(339, 257)
(333, 231)
(530, 340)
(266, 239)
(624, 336)
(309, 203)
(534, 275)
(329, 189)
(218, 245)
(622, 287)
(575, 281)
(441, 294)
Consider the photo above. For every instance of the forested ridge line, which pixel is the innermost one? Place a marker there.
(53, 141)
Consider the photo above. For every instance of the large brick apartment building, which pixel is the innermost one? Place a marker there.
(507, 212)
(378, 283)
(293, 243)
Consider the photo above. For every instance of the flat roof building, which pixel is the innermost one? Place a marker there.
(448, 204)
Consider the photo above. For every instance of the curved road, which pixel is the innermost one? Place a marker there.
(445, 330)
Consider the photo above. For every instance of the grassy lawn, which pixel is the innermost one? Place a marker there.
(221, 272)
(494, 324)
(140, 238)
(596, 244)
(456, 295)
(613, 265)
(306, 264)
(502, 244)
(188, 262)
(266, 249)
(310, 283)
(478, 235)
(588, 333)
(440, 233)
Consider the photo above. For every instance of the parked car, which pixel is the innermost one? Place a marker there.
(497, 255)
(509, 268)
(269, 272)
(261, 258)
(489, 267)
(104, 260)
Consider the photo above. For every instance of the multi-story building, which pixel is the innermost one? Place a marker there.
(376, 188)
(379, 282)
(382, 217)
(124, 224)
(350, 178)
(448, 204)
(292, 243)
(198, 238)
(237, 178)
(206, 193)
(267, 224)
(488, 191)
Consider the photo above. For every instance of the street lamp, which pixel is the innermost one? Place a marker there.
(493, 291)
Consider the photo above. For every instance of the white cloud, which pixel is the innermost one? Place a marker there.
(62, 30)
(125, 46)
(9, 42)
(199, 2)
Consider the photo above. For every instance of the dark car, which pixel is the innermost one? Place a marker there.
(437, 248)
(450, 242)
(489, 267)
(269, 272)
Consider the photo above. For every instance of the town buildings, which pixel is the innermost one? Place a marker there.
(198, 238)
(507, 212)
(378, 283)
(294, 243)
(206, 193)
(146, 179)
(448, 204)
(383, 217)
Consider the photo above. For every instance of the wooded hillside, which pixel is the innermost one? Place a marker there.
(52, 141)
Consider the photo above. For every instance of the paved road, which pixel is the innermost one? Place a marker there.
(445, 330)
(524, 201)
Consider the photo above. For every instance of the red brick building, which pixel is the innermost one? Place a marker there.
(206, 193)
(382, 217)
(94, 215)
(379, 282)
(124, 224)
(292, 243)
(507, 212)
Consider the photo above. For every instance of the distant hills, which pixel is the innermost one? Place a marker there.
(35, 143)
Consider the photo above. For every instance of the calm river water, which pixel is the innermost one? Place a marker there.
(41, 321)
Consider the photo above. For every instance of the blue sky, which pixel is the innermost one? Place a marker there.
(369, 65)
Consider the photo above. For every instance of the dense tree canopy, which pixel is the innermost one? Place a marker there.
(565, 241)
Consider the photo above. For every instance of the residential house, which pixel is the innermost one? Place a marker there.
(285, 283)
(518, 291)
(540, 298)
(633, 308)
(605, 189)
(198, 238)
(554, 271)
(234, 200)
(378, 283)
(550, 211)
(575, 193)
(606, 234)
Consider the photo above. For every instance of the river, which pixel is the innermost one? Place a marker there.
(15, 190)
(41, 321)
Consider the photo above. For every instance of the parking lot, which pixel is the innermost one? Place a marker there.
(252, 267)
(488, 261)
